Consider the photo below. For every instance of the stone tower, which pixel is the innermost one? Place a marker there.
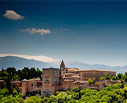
(24, 87)
(62, 67)
(50, 80)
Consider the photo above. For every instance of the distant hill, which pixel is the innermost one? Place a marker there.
(20, 63)
(80, 65)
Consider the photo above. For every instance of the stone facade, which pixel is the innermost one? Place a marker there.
(2, 84)
(31, 85)
(16, 84)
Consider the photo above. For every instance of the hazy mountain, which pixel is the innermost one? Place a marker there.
(19, 63)
(80, 65)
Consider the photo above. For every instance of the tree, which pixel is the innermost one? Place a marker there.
(75, 89)
(33, 73)
(125, 78)
(114, 78)
(8, 85)
(125, 73)
(90, 81)
(57, 92)
(39, 72)
(34, 99)
(120, 76)
(107, 76)
(102, 78)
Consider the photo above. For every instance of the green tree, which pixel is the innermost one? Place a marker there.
(8, 85)
(90, 81)
(4, 92)
(34, 99)
(15, 93)
(33, 73)
(102, 78)
(120, 76)
(107, 76)
(75, 89)
(114, 78)
(125, 73)
(125, 78)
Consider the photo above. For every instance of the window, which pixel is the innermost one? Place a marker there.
(31, 85)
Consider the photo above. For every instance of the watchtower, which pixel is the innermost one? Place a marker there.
(50, 79)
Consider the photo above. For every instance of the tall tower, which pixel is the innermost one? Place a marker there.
(62, 67)
(50, 80)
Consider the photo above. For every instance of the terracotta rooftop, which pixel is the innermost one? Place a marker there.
(80, 81)
(84, 82)
(15, 81)
(24, 80)
(65, 77)
(96, 70)
(70, 74)
(1, 80)
(68, 80)
(76, 76)
(71, 69)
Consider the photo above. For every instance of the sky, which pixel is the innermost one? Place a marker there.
(93, 32)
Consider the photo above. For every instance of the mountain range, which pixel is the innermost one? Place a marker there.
(20, 63)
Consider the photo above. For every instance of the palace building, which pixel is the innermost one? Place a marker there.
(55, 79)
(69, 78)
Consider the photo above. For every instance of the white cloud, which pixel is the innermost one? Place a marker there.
(38, 58)
(10, 14)
(33, 31)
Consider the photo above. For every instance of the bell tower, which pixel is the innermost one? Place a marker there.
(62, 67)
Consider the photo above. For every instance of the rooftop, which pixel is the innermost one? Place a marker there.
(95, 70)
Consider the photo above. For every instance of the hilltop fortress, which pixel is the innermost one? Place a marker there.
(69, 78)
(55, 79)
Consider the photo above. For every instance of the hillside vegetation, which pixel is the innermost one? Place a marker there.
(116, 93)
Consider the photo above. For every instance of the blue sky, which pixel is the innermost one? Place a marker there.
(93, 32)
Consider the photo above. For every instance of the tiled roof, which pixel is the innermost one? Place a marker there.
(76, 76)
(15, 81)
(70, 74)
(1, 80)
(71, 69)
(24, 80)
(68, 80)
(96, 70)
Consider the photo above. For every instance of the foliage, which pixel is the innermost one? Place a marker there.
(34, 99)
(102, 78)
(90, 81)
(4, 92)
(111, 94)
(75, 89)
(15, 92)
(97, 83)
(114, 78)
(120, 76)
(125, 78)
(57, 92)
(107, 76)
(33, 93)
